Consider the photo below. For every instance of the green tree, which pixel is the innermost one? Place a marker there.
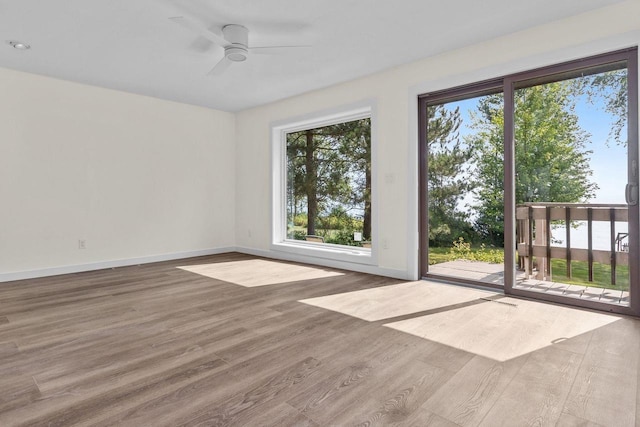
(552, 162)
(355, 146)
(488, 157)
(610, 87)
(448, 177)
(329, 168)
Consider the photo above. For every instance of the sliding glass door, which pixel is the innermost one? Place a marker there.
(531, 182)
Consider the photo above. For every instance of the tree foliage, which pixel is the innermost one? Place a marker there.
(448, 176)
(611, 87)
(329, 170)
(488, 156)
(552, 161)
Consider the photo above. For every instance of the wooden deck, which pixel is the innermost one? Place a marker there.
(240, 341)
(611, 296)
(471, 270)
(494, 274)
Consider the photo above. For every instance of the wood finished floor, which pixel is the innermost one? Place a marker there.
(158, 345)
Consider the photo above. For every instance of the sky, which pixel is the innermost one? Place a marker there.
(609, 160)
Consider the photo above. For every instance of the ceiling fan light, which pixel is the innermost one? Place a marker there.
(18, 45)
(235, 54)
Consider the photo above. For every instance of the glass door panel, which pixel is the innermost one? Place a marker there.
(465, 189)
(572, 161)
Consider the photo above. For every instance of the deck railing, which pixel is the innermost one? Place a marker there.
(534, 222)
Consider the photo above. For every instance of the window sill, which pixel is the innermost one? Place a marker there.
(321, 250)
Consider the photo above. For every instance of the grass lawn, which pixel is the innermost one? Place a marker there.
(326, 233)
(580, 272)
(438, 255)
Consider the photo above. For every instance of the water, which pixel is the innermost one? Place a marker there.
(579, 235)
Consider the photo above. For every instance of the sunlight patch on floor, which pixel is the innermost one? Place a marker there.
(506, 329)
(481, 322)
(387, 302)
(258, 272)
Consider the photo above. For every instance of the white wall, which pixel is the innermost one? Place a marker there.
(136, 177)
(394, 92)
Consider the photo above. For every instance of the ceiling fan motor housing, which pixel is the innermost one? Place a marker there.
(238, 37)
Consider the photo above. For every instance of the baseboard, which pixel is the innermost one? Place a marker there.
(68, 269)
(361, 268)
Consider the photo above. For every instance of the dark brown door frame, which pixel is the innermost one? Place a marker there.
(563, 71)
(507, 85)
(424, 101)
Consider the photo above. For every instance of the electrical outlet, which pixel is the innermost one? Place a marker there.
(249, 233)
(385, 243)
(82, 244)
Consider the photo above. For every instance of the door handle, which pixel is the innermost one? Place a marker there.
(631, 194)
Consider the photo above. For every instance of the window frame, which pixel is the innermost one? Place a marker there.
(482, 88)
(279, 132)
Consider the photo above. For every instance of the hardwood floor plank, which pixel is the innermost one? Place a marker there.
(446, 357)
(143, 391)
(606, 384)
(567, 420)
(8, 349)
(471, 393)
(123, 364)
(298, 331)
(341, 389)
(281, 415)
(423, 418)
(399, 398)
(18, 390)
(240, 408)
(157, 345)
(537, 394)
(163, 406)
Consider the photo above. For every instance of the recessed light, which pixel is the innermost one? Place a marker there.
(18, 45)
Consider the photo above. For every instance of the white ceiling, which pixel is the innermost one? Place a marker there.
(131, 45)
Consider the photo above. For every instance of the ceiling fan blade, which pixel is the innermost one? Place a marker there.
(220, 67)
(200, 30)
(275, 50)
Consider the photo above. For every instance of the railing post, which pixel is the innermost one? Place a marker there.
(612, 223)
(519, 239)
(567, 216)
(548, 242)
(530, 240)
(590, 241)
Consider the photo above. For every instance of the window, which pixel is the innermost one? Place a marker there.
(323, 193)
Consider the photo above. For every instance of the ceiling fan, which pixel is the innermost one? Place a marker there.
(234, 39)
